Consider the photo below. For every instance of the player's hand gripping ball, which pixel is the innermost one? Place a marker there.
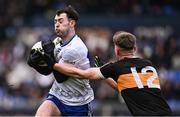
(37, 48)
(36, 59)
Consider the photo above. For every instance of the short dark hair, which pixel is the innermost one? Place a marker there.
(70, 11)
(124, 40)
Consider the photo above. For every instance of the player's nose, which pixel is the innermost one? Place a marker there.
(57, 26)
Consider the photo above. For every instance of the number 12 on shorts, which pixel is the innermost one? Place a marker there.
(149, 80)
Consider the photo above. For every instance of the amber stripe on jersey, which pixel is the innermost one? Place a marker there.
(128, 81)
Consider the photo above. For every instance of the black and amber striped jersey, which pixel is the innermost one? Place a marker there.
(138, 83)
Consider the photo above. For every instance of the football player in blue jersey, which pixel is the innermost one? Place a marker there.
(67, 96)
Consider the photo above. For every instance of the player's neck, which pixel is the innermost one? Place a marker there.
(126, 55)
(68, 36)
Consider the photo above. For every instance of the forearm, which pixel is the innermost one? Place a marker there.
(111, 83)
(66, 69)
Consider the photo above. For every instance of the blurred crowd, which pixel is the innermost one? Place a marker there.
(24, 22)
(19, 12)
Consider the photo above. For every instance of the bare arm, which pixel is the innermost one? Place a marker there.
(91, 73)
(111, 83)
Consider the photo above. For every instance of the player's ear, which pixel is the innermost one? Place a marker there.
(117, 50)
(135, 49)
(72, 23)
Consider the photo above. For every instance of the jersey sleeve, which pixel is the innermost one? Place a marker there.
(108, 70)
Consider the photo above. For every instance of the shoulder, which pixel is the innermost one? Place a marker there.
(134, 62)
(110, 66)
(77, 46)
(144, 61)
(78, 43)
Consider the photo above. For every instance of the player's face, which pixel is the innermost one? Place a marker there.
(61, 25)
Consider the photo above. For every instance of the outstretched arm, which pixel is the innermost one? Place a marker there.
(91, 73)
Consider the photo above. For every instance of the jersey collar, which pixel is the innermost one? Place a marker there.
(69, 40)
